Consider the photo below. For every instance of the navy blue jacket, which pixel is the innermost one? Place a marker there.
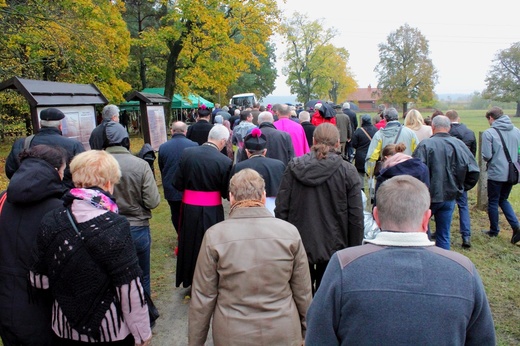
(169, 157)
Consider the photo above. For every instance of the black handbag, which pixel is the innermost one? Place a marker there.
(153, 312)
(513, 176)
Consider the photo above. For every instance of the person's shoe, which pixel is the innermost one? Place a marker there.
(466, 243)
(490, 234)
(516, 236)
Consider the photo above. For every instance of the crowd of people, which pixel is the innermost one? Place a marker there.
(297, 260)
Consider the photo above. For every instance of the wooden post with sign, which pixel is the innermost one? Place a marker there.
(482, 200)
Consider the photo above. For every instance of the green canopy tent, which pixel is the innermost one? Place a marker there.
(199, 100)
(129, 106)
(178, 101)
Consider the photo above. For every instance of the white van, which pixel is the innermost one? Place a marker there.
(243, 100)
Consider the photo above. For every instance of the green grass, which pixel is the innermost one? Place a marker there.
(496, 259)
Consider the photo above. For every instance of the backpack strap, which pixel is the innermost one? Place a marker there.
(27, 142)
(366, 133)
(398, 133)
(506, 151)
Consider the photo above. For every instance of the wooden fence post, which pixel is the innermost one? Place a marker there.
(482, 181)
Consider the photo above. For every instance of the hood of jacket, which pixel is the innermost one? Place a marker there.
(34, 181)
(312, 172)
(391, 129)
(411, 166)
(503, 123)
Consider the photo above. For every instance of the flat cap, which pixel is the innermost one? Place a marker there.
(51, 114)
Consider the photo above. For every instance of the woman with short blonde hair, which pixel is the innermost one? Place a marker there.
(94, 168)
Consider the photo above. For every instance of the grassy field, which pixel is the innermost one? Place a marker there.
(496, 259)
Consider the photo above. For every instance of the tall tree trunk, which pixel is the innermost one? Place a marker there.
(517, 109)
(405, 108)
(142, 72)
(175, 48)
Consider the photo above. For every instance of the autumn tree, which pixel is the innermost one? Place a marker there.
(503, 80)
(207, 45)
(77, 41)
(315, 68)
(405, 72)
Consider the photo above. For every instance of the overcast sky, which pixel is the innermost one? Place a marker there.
(464, 36)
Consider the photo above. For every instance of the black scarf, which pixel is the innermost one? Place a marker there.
(84, 274)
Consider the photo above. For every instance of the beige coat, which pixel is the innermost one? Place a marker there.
(252, 276)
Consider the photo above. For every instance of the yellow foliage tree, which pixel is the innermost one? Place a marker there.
(209, 43)
(78, 41)
(315, 68)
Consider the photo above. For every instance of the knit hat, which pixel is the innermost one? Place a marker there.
(115, 133)
(346, 105)
(366, 119)
(255, 140)
(51, 114)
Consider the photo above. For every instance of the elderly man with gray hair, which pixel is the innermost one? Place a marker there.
(394, 132)
(384, 291)
(98, 136)
(203, 177)
(308, 127)
(453, 170)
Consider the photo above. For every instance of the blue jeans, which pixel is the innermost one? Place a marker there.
(443, 213)
(464, 219)
(498, 193)
(142, 242)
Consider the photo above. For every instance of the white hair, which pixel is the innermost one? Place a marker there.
(109, 111)
(304, 116)
(265, 117)
(50, 123)
(218, 132)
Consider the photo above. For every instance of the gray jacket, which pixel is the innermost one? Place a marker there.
(493, 151)
(381, 294)
(137, 193)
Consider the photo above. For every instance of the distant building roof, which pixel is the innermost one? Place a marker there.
(364, 95)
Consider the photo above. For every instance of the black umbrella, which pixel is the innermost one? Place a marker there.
(312, 103)
(327, 111)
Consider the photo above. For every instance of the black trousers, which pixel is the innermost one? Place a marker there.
(317, 270)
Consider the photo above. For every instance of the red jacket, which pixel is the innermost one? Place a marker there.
(318, 119)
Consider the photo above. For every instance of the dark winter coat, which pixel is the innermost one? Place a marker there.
(322, 198)
(453, 169)
(29, 197)
(361, 142)
(462, 132)
(199, 131)
(169, 156)
(279, 143)
(414, 167)
(49, 136)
